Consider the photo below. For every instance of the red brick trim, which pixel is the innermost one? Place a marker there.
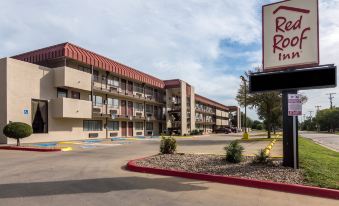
(283, 187)
(32, 149)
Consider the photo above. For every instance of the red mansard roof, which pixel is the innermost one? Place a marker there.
(87, 57)
(207, 101)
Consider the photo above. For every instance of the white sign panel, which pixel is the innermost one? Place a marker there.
(294, 105)
(290, 35)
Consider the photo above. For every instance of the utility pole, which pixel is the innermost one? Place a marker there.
(318, 108)
(304, 115)
(331, 97)
(245, 135)
(317, 125)
(310, 114)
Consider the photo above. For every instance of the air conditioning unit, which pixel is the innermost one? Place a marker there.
(96, 110)
(93, 135)
(119, 90)
(113, 89)
(113, 134)
(113, 111)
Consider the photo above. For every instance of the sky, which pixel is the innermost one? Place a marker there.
(208, 44)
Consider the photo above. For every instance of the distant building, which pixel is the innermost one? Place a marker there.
(66, 92)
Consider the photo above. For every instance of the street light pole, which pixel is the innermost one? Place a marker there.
(245, 135)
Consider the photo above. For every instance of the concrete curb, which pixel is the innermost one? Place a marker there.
(282, 187)
(32, 149)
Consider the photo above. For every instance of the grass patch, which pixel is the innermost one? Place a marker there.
(259, 139)
(320, 165)
(265, 134)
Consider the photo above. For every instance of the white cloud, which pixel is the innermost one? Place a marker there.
(169, 39)
(329, 53)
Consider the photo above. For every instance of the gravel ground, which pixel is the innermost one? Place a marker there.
(214, 164)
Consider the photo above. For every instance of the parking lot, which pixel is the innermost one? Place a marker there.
(96, 176)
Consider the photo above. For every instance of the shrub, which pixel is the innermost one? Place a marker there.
(261, 158)
(17, 130)
(196, 132)
(234, 152)
(168, 145)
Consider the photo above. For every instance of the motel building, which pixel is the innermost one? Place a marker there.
(66, 92)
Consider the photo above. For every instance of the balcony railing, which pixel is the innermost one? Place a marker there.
(100, 85)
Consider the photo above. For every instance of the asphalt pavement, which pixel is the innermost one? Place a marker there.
(331, 141)
(97, 177)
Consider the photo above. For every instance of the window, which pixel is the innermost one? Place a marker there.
(113, 81)
(95, 75)
(97, 100)
(149, 125)
(149, 91)
(149, 108)
(138, 88)
(113, 126)
(139, 107)
(75, 95)
(39, 116)
(84, 69)
(113, 102)
(139, 126)
(92, 125)
(62, 92)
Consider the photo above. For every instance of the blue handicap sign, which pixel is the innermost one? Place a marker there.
(26, 112)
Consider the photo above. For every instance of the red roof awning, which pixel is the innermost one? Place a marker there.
(85, 56)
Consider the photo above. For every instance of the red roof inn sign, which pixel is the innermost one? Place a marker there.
(290, 35)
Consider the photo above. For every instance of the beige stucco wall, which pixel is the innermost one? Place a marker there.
(192, 108)
(68, 77)
(71, 108)
(218, 112)
(183, 107)
(3, 99)
(29, 81)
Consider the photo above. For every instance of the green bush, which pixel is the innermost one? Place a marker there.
(17, 130)
(234, 152)
(168, 145)
(261, 158)
(196, 132)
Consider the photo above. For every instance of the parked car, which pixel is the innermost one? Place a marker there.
(223, 130)
(234, 129)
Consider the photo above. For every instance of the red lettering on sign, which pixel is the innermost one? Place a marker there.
(282, 41)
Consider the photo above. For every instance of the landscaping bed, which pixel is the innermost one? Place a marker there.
(217, 165)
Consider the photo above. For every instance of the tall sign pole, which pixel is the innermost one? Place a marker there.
(290, 42)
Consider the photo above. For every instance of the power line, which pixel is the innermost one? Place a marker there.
(310, 114)
(331, 97)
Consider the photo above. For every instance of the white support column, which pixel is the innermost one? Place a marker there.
(183, 96)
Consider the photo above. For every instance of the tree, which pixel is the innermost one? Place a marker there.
(308, 125)
(267, 104)
(249, 121)
(17, 130)
(257, 125)
(328, 119)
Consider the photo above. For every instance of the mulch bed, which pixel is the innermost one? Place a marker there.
(217, 165)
